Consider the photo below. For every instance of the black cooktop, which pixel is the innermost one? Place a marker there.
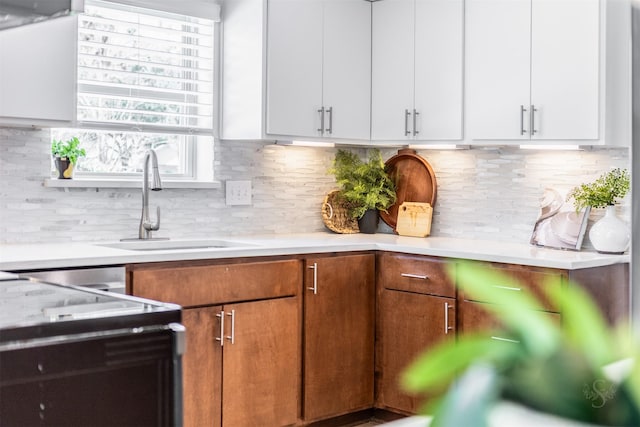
(35, 309)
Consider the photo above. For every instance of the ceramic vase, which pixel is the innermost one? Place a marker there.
(610, 235)
(368, 223)
(64, 168)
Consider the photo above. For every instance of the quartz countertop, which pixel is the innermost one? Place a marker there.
(15, 257)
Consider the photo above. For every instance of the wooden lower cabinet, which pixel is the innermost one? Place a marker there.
(261, 375)
(339, 321)
(245, 378)
(242, 361)
(408, 325)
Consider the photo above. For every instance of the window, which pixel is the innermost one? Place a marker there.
(145, 80)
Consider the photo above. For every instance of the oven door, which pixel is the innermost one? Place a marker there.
(123, 377)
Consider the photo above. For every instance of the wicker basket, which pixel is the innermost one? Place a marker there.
(335, 215)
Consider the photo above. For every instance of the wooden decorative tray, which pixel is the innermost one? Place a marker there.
(415, 182)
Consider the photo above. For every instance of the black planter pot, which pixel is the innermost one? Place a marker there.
(64, 167)
(368, 223)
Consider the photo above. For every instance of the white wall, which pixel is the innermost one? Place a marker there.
(484, 193)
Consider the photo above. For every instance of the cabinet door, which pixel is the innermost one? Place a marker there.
(409, 324)
(338, 335)
(438, 69)
(202, 367)
(39, 85)
(346, 69)
(392, 69)
(294, 67)
(261, 375)
(497, 68)
(565, 68)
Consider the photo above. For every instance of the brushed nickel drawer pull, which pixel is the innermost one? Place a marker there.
(507, 288)
(221, 337)
(415, 276)
(314, 288)
(505, 340)
(447, 328)
(232, 337)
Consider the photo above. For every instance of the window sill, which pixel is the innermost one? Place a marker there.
(122, 183)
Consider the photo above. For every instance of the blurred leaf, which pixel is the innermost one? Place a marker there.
(469, 401)
(583, 324)
(518, 311)
(449, 359)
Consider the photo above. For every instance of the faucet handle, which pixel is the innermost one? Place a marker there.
(153, 226)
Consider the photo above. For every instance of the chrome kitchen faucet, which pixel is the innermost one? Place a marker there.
(146, 225)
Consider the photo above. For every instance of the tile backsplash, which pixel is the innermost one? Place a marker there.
(483, 193)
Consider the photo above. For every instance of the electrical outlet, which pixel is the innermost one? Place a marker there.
(238, 193)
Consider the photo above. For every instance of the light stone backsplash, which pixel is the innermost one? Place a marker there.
(483, 193)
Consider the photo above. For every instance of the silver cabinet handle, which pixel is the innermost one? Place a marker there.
(505, 340)
(330, 112)
(522, 111)
(415, 128)
(507, 288)
(533, 120)
(314, 288)
(407, 113)
(447, 328)
(221, 337)
(232, 337)
(415, 276)
(321, 111)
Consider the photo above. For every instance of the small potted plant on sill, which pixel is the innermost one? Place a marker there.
(65, 155)
(609, 234)
(366, 187)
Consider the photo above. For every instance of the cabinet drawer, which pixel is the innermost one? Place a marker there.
(474, 317)
(515, 278)
(215, 284)
(418, 274)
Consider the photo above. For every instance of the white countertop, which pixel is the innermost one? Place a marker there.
(61, 255)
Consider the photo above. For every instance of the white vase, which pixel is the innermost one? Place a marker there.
(610, 235)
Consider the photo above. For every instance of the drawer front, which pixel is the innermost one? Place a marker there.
(474, 317)
(515, 278)
(417, 274)
(217, 284)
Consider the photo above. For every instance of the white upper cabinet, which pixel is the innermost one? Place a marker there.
(533, 69)
(318, 68)
(417, 70)
(38, 73)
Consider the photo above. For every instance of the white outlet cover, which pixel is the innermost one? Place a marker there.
(238, 193)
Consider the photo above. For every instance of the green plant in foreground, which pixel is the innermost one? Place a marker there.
(552, 368)
(68, 149)
(602, 192)
(364, 185)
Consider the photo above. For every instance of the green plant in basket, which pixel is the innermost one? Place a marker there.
(364, 185)
(604, 191)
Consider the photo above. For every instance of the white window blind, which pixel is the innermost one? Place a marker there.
(145, 70)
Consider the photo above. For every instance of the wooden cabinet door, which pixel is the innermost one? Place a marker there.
(392, 69)
(438, 69)
(409, 324)
(202, 368)
(261, 375)
(565, 43)
(338, 335)
(294, 67)
(346, 69)
(497, 68)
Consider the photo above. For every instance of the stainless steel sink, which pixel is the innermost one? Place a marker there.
(166, 245)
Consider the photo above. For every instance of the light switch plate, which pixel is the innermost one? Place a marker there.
(238, 193)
